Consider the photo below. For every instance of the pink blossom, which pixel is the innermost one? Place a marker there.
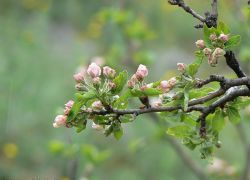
(218, 52)
(213, 37)
(69, 104)
(143, 88)
(200, 44)
(172, 82)
(94, 70)
(78, 77)
(97, 105)
(68, 107)
(96, 81)
(207, 51)
(165, 86)
(111, 85)
(131, 84)
(141, 72)
(59, 121)
(109, 72)
(181, 67)
(223, 37)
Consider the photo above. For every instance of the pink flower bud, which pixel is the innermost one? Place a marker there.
(69, 104)
(97, 81)
(141, 72)
(109, 72)
(111, 85)
(212, 60)
(131, 84)
(172, 82)
(200, 44)
(143, 88)
(59, 121)
(78, 77)
(97, 127)
(94, 70)
(68, 107)
(97, 105)
(223, 37)
(79, 87)
(213, 37)
(218, 52)
(207, 51)
(165, 86)
(181, 67)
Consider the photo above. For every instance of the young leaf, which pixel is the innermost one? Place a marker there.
(192, 69)
(218, 121)
(120, 81)
(233, 41)
(152, 92)
(180, 131)
(223, 28)
(233, 115)
(118, 134)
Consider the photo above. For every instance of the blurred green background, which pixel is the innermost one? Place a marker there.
(42, 42)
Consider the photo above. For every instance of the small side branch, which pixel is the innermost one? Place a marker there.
(189, 10)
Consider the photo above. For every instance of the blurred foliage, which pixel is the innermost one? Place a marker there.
(41, 44)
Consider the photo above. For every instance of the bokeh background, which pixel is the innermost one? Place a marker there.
(42, 42)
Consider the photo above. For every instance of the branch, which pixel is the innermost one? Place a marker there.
(184, 6)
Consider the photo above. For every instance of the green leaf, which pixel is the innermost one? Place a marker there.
(218, 121)
(223, 28)
(122, 101)
(233, 115)
(192, 69)
(136, 93)
(152, 92)
(233, 41)
(118, 134)
(180, 131)
(117, 130)
(80, 100)
(206, 34)
(120, 81)
(81, 126)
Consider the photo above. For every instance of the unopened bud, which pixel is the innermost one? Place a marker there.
(207, 51)
(80, 87)
(94, 70)
(79, 77)
(172, 82)
(111, 85)
(59, 121)
(218, 52)
(97, 105)
(96, 81)
(213, 37)
(109, 72)
(131, 84)
(181, 67)
(200, 44)
(165, 86)
(141, 72)
(223, 37)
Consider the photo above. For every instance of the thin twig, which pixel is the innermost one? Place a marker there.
(189, 10)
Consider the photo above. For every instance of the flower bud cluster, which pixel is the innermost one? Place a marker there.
(139, 76)
(60, 120)
(213, 54)
(167, 86)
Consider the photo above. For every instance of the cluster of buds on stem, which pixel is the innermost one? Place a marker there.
(60, 120)
(139, 76)
(215, 52)
(167, 86)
